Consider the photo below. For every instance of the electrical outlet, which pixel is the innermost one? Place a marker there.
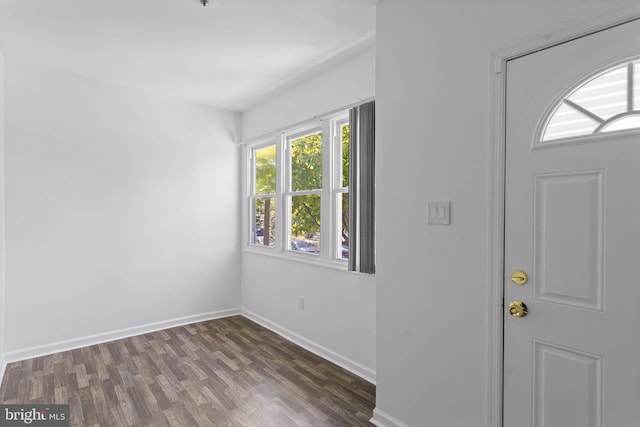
(301, 303)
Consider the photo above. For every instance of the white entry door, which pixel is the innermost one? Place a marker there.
(572, 225)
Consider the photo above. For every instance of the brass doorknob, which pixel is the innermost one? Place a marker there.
(519, 277)
(518, 309)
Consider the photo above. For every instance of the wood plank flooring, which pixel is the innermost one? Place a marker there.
(225, 372)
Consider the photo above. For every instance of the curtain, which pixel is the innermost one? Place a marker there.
(362, 158)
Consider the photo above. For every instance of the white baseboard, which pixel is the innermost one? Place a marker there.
(382, 419)
(43, 350)
(344, 362)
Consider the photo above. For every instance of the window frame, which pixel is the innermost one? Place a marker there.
(632, 65)
(289, 193)
(253, 195)
(338, 188)
(330, 255)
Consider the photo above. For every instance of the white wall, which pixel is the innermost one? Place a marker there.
(433, 100)
(121, 210)
(344, 84)
(339, 316)
(2, 220)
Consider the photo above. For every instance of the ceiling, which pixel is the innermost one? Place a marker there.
(231, 54)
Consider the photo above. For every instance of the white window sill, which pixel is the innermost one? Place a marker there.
(310, 259)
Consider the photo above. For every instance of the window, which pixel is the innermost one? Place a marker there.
(304, 191)
(606, 102)
(341, 194)
(299, 194)
(263, 192)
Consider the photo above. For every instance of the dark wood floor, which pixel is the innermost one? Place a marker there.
(225, 372)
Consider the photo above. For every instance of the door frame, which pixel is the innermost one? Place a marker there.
(609, 17)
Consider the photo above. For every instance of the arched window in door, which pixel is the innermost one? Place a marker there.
(605, 102)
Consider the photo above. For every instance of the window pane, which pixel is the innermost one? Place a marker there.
(627, 122)
(636, 85)
(263, 233)
(599, 104)
(345, 155)
(606, 95)
(567, 122)
(344, 233)
(306, 162)
(265, 164)
(305, 223)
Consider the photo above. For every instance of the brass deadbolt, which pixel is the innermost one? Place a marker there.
(518, 309)
(519, 277)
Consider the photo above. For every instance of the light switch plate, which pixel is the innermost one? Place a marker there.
(440, 213)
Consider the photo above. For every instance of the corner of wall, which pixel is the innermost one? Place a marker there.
(237, 127)
(344, 362)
